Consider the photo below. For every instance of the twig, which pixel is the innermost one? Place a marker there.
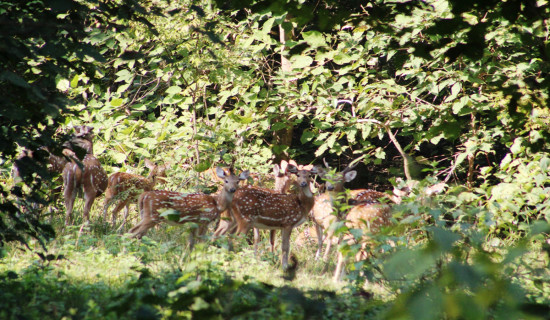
(406, 157)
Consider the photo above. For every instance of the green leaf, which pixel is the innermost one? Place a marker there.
(314, 38)
(174, 90)
(170, 214)
(517, 146)
(62, 84)
(444, 239)
(299, 62)
(268, 25)
(116, 102)
(278, 126)
(119, 157)
(74, 82)
(544, 164)
(203, 166)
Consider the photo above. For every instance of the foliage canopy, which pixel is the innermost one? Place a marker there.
(463, 85)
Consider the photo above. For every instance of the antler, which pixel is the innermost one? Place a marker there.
(351, 165)
(326, 164)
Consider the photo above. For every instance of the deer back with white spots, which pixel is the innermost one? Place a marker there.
(264, 209)
(125, 187)
(324, 212)
(86, 174)
(198, 208)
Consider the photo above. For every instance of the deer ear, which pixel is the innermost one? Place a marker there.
(244, 175)
(291, 168)
(220, 172)
(350, 175)
(318, 171)
(149, 164)
(276, 170)
(284, 165)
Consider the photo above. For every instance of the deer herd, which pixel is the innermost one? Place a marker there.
(237, 209)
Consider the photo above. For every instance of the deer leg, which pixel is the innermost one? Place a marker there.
(272, 240)
(339, 272)
(285, 247)
(126, 210)
(106, 205)
(121, 204)
(328, 238)
(192, 235)
(319, 231)
(225, 224)
(256, 240)
(89, 197)
(69, 193)
(141, 228)
(195, 234)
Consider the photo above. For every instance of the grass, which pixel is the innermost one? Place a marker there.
(95, 273)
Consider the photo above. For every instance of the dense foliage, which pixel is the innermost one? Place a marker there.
(460, 86)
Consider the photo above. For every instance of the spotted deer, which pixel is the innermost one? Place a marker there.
(282, 183)
(199, 208)
(283, 180)
(86, 174)
(325, 212)
(125, 188)
(264, 209)
(369, 217)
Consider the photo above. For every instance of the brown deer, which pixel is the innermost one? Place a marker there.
(282, 183)
(56, 163)
(264, 209)
(369, 217)
(198, 207)
(126, 187)
(324, 211)
(86, 174)
(370, 211)
(283, 180)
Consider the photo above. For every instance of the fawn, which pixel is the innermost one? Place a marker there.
(196, 207)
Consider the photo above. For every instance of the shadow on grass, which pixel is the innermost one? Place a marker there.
(201, 292)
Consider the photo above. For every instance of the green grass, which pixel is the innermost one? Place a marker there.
(95, 273)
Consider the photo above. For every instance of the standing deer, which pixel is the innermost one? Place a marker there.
(126, 187)
(370, 211)
(86, 175)
(198, 208)
(323, 213)
(263, 209)
(369, 217)
(282, 182)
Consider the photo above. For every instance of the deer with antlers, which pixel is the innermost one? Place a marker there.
(84, 174)
(264, 209)
(126, 187)
(197, 207)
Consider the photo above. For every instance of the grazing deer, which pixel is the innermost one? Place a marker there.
(198, 207)
(264, 209)
(86, 175)
(126, 187)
